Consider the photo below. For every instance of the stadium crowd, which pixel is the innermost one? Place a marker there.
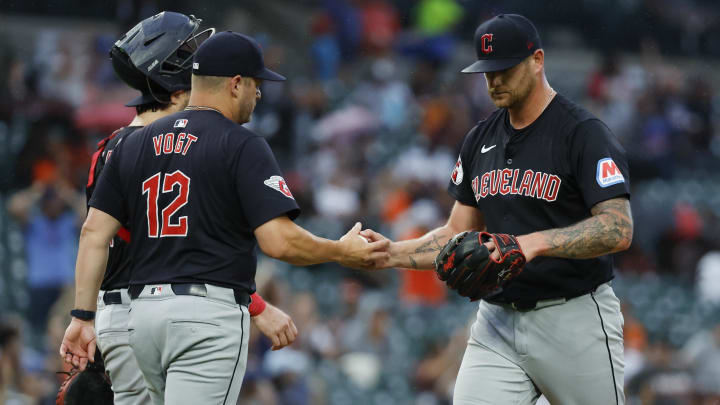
(368, 128)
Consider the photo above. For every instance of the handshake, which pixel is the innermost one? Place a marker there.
(475, 264)
(366, 249)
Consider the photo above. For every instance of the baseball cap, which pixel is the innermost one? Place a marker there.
(502, 42)
(230, 53)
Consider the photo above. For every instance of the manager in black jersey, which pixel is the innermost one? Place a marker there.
(545, 169)
(199, 192)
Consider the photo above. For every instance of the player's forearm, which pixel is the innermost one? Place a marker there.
(89, 270)
(607, 231)
(282, 239)
(95, 237)
(420, 253)
(302, 248)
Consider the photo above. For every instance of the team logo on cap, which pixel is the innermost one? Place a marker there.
(484, 41)
(279, 184)
(608, 173)
(196, 66)
(457, 174)
(180, 123)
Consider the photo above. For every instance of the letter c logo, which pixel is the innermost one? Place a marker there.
(484, 40)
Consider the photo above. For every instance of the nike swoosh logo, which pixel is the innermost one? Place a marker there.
(484, 149)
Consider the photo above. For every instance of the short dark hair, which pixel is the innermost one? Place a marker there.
(156, 106)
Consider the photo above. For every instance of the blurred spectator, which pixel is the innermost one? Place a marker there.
(386, 96)
(347, 22)
(23, 380)
(317, 337)
(10, 370)
(380, 25)
(662, 380)
(437, 370)
(288, 369)
(50, 215)
(708, 278)
(681, 247)
(325, 49)
(635, 343)
(702, 355)
(432, 39)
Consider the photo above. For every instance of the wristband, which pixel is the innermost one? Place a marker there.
(82, 314)
(257, 305)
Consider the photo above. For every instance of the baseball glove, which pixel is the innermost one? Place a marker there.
(89, 387)
(465, 265)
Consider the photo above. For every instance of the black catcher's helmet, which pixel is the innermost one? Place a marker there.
(156, 55)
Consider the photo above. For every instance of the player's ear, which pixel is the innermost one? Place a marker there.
(538, 60)
(236, 82)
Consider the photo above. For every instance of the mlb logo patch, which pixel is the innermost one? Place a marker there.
(279, 184)
(180, 123)
(156, 290)
(608, 173)
(457, 174)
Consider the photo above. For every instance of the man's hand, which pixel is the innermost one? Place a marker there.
(277, 326)
(466, 265)
(78, 344)
(373, 236)
(359, 253)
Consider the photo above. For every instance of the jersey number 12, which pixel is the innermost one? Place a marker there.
(152, 186)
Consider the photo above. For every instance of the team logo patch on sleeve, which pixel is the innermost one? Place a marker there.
(608, 173)
(457, 174)
(279, 184)
(180, 123)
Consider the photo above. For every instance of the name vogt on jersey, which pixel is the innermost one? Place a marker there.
(171, 143)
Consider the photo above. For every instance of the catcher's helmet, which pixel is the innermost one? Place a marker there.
(156, 55)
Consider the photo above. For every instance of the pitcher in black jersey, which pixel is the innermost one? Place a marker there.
(543, 168)
(200, 193)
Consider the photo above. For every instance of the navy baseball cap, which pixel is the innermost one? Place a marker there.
(230, 53)
(502, 42)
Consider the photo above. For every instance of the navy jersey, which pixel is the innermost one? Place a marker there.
(193, 187)
(547, 175)
(117, 272)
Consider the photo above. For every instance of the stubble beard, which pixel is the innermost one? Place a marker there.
(246, 112)
(516, 97)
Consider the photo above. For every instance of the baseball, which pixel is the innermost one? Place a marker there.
(364, 239)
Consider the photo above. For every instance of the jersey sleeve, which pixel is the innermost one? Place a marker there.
(108, 195)
(263, 192)
(459, 186)
(599, 162)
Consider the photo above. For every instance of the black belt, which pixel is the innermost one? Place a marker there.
(112, 297)
(529, 305)
(199, 290)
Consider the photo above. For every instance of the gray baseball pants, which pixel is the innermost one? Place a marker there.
(572, 352)
(111, 326)
(191, 350)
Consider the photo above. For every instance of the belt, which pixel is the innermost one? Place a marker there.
(530, 305)
(199, 290)
(112, 298)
